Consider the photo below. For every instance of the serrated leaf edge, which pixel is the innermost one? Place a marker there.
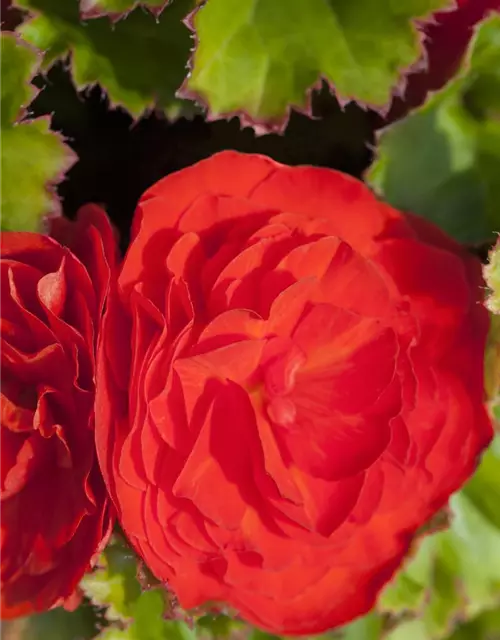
(113, 105)
(95, 12)
(34, 91)
(22, 120)
(278, 125)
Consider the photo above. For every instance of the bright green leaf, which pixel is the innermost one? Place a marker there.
(260, 57)
(33, 158)
(19, 65)
(113, 582)
(149, 623)
(134, 613)
(443, 161)
(140, 61)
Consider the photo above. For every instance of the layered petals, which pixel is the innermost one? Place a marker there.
(289, 386)
(55, 511)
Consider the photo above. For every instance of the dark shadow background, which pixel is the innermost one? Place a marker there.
(120, 158)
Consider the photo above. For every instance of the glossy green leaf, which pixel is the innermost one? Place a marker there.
(443, 161)
(260, 57)
(33, 158)
(140, 61)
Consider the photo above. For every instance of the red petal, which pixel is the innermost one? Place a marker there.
(236, 362)
(223, 455)
(348, 205)
(325, 504)
(52, 290)
(226, 173)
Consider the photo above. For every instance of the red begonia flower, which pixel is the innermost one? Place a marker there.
(290, 383)
(55, 512)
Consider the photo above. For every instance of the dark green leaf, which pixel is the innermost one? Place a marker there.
(140, 61)
(443, 161)
(57, 624)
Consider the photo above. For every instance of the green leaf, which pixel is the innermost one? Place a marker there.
(113, 583)
(443, 161)
(33, 158)
(369, 627)
(140, 61)
(93, 8)
(410, 630)
(484, 627)
(492, 364)
(134, 613)
(163, 630)
(19, 65)
(454, 574)
(492, 277)
(149, 623)
(57, 624)
(257, 634)
(261, 57)
(408, 589)
(218, 626)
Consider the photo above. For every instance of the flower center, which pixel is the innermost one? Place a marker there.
(279, 381)
(282, 411)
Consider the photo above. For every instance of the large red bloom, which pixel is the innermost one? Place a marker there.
(55, 512)
(290, 383)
